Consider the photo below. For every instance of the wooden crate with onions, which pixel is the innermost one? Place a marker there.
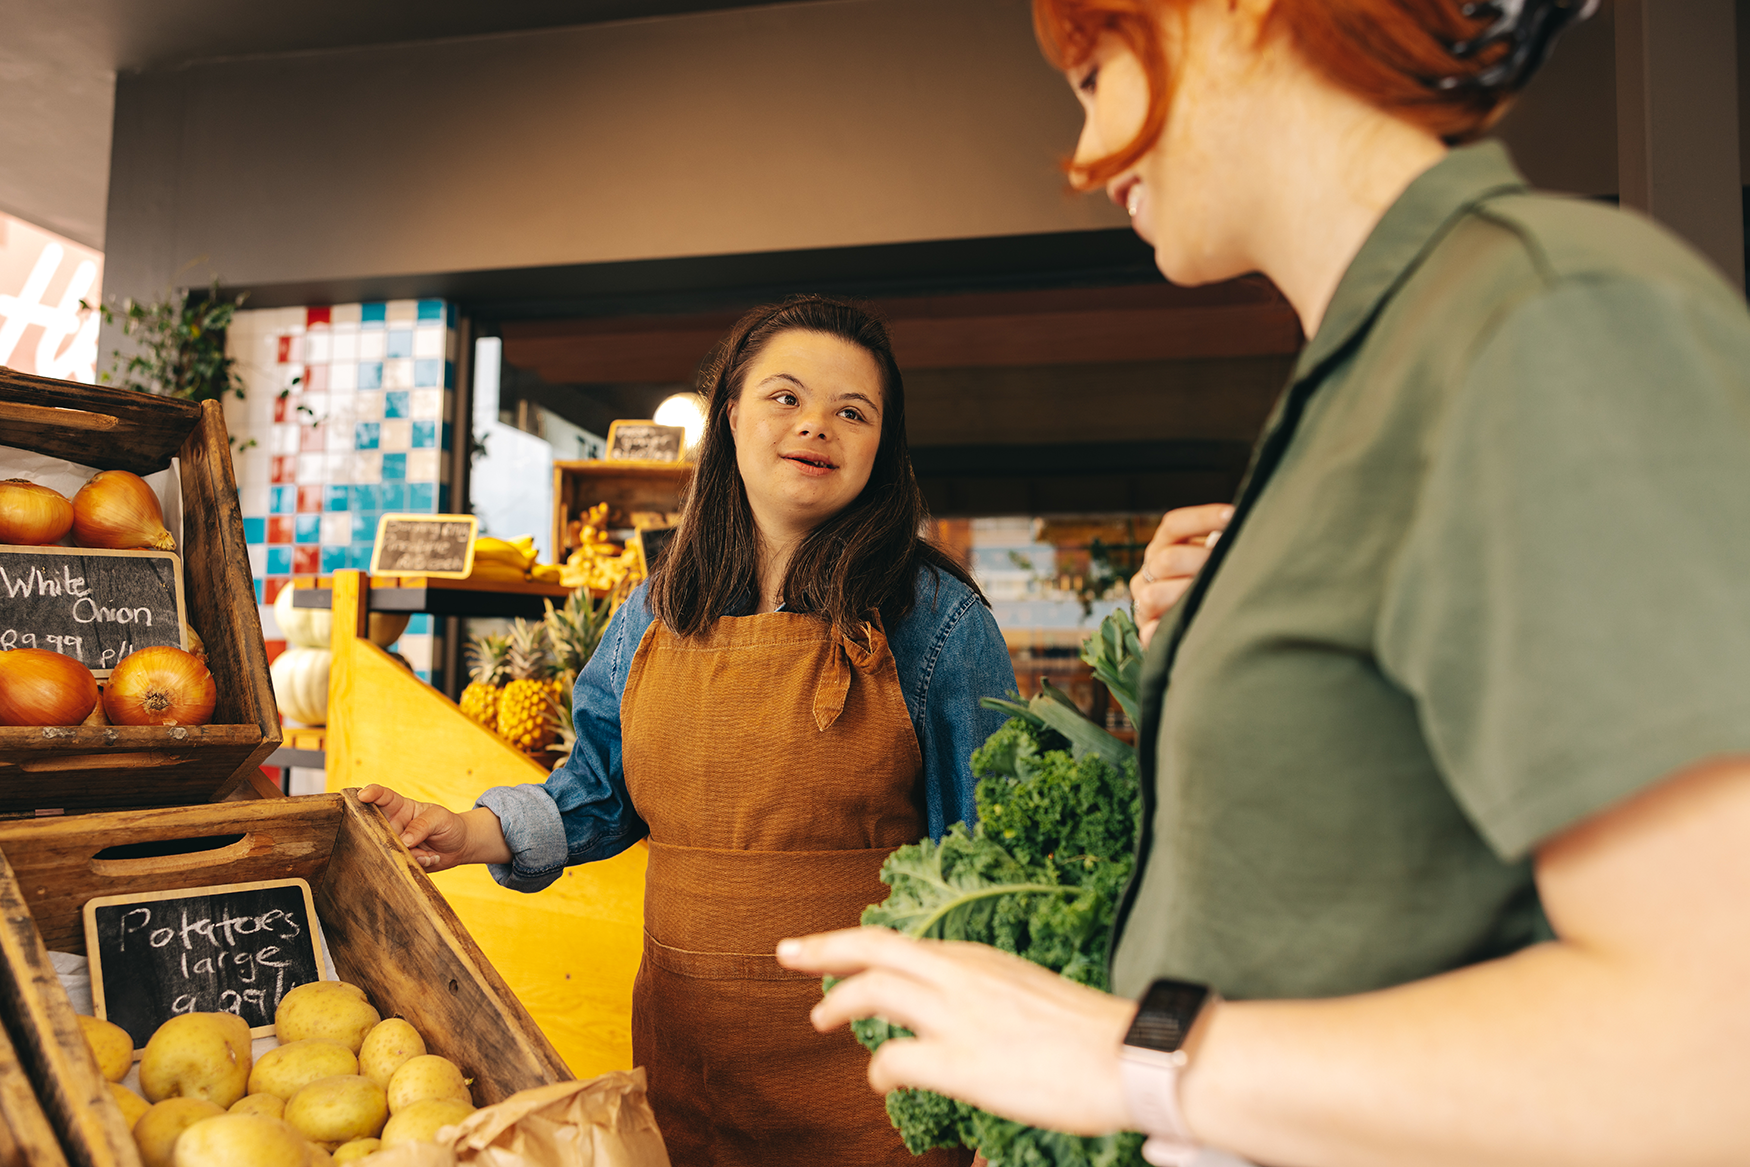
(88, 767)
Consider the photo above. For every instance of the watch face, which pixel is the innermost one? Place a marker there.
(1164, 1018)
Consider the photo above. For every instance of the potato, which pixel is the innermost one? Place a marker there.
(319, 1156)
(424, 1077)
(133, 1106)
(387, 1047)
(337, 1110)
(197, 1055)
(159, 1128)
(331, 1009)
(271, 1105)
(287, 1069)
(110, 1045)
(233, 1139)
(421, 1121)
(357, 1149)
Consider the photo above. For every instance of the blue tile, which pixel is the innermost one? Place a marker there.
(443, 506)
(419, 497)
(423, 674)
(283, 500)
(450, 316)
(279, 560)
(395, 403)
(364, 526)
(428, 374)
(431, 309)
(370, 374)
(365, 434)
(418, 624)
(372, 314)
(394, 495)
(255, 530)
(364, 498)
(400, 342)
(424, 434)
(449, 374)
(308, 529)
(260, 591)
(394, 467)
(333, 559)
(336, 498)
(445, 444)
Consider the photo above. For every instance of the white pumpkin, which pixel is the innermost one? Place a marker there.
(300, 684)
(312, 627)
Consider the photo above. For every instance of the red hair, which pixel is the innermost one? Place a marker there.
(1387, 52)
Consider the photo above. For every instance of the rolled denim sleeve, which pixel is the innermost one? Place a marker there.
(582, 813)
(960, 658)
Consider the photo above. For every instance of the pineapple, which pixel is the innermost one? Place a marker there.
(574, 631)
(525, 710)
(480, 699)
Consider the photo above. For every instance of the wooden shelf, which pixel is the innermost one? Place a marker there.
(443, 597)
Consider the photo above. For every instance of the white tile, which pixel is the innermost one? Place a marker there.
(346, 314)
(285, 438)
(292, 319)
(426, 404)
(416, 648)
(253, 500)
(291, 377)
(428, 343)
(270, 628)
(339, 467)
(368, 406)
(397, 435)
(339, 438)
(258, 560)
(341, 407)
(311, 468)
(317, 404)
(337, 527)
(372, 345)
(367, 467)
(345, 347)
(302, 781)
(318, 346)
(422, 466)
(253, 467)
(343, 378)
(398, 374)
(400, 310)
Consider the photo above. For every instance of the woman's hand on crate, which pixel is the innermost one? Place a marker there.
(439, 837)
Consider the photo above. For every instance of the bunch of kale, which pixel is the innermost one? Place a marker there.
(1040, 876)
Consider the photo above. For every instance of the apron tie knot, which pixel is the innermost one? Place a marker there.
(860, 650)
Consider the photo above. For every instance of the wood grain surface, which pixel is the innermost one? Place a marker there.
(145, 432)
(26, 1138)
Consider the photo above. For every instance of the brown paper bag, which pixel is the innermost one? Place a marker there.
(604, 1122)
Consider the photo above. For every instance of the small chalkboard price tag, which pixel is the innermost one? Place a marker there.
(234, 948)
(645, 441)
(440, 545)
(94, 606)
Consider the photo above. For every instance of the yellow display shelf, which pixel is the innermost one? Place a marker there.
(570, 952)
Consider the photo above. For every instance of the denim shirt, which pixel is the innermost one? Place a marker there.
(948, 653)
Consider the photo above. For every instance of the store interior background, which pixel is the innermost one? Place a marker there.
(464, 225)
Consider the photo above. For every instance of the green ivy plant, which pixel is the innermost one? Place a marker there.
(179, 346)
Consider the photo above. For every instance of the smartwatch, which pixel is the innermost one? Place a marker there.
(1162, 1039)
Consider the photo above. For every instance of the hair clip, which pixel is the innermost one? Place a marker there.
(1527, 27)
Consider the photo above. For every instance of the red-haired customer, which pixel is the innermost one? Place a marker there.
(1445, 852)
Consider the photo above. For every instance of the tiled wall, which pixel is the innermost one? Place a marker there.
(348, 410)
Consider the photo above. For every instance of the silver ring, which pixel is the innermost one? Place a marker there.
(1147, 575)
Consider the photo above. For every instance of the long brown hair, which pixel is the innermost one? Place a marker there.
(862, 560)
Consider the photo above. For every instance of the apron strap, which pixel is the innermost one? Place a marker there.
(849, 655)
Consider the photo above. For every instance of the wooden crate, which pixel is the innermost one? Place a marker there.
(26, 1138)
(106, 767)
(388, 930)
(624, 486)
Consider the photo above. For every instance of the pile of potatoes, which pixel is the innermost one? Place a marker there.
(342, 1084)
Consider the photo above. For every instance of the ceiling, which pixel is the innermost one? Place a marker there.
(59, 58)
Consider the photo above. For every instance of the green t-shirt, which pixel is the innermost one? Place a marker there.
(1498, 580)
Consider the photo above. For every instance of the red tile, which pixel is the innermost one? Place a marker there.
(285, 349)
(280, 529)
(272, 586)
(315, 316)
(309, 499)
(285, 468)
(306, 560)
(274, 647)
(312, 439)
(281, 407)
(316, 378)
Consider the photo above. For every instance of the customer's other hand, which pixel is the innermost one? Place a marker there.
(1176, 553)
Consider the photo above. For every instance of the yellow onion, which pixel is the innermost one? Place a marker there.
(160, 685)
(39, 687)
(32, 515)
(118, 510)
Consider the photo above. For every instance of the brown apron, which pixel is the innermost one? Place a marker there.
(777, 768)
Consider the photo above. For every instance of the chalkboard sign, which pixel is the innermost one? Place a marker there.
(651, 543)
(440, 545)
(94, 606)
(237, 948)
(645, 441)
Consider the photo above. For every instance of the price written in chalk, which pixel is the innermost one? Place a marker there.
(94, 606)
(237, 949)
(440, 545)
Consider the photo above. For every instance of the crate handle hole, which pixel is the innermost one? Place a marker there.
(455, 987)
(157, 855)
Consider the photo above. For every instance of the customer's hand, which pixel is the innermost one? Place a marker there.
(437, 836)
(1176, 553)
(992, 1029)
